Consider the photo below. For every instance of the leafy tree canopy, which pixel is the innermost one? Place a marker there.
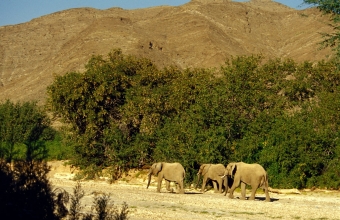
(331, 7)
(23, 124)
(124, 112)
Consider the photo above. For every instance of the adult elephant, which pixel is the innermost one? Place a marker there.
(171, 172)
(246, 174)
(212, 172)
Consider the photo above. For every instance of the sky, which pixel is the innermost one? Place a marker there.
(20, 11)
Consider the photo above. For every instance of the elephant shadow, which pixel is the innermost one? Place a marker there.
(264, 198)
(187, 193)
(193, 193)
(261, 198)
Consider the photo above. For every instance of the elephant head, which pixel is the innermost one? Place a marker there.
(200, 172)
(230, 170)
(154, 170)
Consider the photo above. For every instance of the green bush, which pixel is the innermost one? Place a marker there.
(57, 148)
(124, 112)
(24, 129)
(26, 193)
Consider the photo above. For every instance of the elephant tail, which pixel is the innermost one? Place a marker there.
(264, 182)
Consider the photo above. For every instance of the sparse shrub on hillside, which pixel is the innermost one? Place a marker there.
(332, 40)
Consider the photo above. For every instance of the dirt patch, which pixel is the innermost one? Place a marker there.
(148, 204)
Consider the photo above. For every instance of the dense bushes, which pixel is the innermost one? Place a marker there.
(124, 112)
(24, 130)
(26, 193)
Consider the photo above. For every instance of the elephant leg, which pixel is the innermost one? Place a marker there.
(203, 184)
(253, 191)
(159, 184)
(220, 184)
(215, 186)
(233, 187)
(243, 190)
(267, 194)
(167, 182)
(226, 185)
(231, 193)
(181, 187)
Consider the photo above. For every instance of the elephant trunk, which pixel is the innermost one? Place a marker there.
(198, 180)
(226, 185)
(149, 176)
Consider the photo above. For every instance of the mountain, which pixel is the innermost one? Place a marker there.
(201, 33)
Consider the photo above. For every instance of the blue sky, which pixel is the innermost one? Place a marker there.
(19, 11)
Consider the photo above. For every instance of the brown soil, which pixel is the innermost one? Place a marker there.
(201, 33)
(148, 204)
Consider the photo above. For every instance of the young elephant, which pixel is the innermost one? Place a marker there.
(171, 172)
(212, 172)
(246, 174)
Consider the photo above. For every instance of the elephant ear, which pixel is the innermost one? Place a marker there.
(233, 170)
(159, 167)
(202, 168)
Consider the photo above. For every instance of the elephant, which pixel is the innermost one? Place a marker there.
(246, 174)
(212, 172)
(171, 172)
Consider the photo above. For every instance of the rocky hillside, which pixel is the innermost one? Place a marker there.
(201, 33)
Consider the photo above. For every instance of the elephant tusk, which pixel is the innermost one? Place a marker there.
(223, 176)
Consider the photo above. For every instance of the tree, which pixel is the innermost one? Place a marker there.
(23, 124)
(25, 191)
(331, 7)
(125, 113)
(91, 104)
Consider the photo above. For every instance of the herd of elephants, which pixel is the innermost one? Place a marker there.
(230, 176)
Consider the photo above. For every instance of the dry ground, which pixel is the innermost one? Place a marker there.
(148, 204)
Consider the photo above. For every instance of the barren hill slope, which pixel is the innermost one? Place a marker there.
(201, 33)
